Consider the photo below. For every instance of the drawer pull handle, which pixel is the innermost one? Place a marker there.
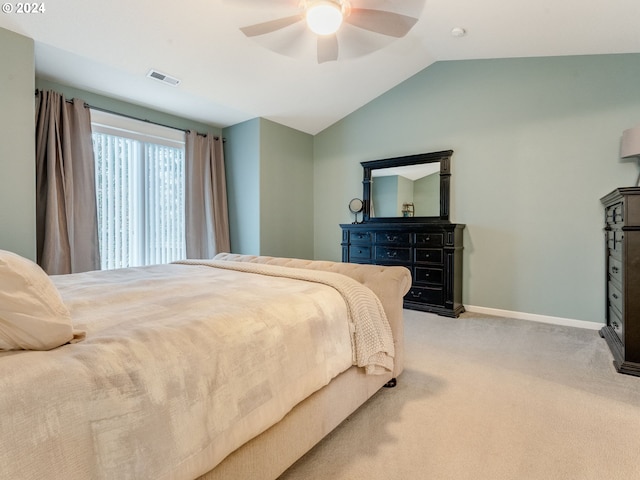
(416, 294)
(391, 254)
(391, 238)
(615, 295)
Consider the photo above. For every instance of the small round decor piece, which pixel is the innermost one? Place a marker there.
(356, 205)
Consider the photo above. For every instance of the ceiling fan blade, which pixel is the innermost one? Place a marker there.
(327, 48)
(380, 21)
(270, 26)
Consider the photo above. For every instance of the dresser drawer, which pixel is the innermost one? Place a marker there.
(429, 255)
(614, 214)
(391, 238)
(361, 237)
(611, 239)
(360, 252)
(431, 295)
(619, 236)
(615, 270)
(395, 254)
(614, 242)
(615, 297)
(430, 239)
(428, 275)
(615, 322)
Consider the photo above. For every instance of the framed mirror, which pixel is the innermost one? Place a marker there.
(414, 188)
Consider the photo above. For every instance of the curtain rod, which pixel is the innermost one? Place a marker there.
(86, 105)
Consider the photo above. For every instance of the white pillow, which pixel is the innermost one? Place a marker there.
(32, 314)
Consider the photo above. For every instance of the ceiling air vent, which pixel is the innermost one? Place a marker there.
(174, 82)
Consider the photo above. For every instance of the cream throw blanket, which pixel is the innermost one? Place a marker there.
(182, 364)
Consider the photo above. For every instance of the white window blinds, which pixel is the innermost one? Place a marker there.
(140, 191)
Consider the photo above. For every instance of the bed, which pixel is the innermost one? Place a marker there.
(230, 368)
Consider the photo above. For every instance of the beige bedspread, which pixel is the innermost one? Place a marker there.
(181, 365)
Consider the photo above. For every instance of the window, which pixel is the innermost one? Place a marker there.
(140, 179)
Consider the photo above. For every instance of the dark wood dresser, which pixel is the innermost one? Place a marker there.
(622, 234)
(432, 251)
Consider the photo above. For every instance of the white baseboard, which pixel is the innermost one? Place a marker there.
(567, 322)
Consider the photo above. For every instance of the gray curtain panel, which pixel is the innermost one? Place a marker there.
(207, 218)
(66, 215)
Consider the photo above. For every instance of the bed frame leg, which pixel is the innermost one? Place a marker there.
(391, 383)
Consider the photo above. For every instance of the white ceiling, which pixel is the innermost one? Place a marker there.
(108, 48)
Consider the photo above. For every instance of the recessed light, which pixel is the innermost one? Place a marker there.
(458, 32)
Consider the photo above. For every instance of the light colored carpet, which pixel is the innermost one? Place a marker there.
(488, 398)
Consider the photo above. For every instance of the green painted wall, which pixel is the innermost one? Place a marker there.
(405, 194)
(17, 149)
(286, 191)
(242, 162)
(384, 196)
(536, 145)
(426, 196)
(270, 188)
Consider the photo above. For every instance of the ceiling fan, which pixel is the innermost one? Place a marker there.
(332, 22)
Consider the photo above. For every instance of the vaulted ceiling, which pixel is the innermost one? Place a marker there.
(226, 77)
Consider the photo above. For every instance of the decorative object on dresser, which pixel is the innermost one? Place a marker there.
(622, 235)
(425, 241)
(355, 207)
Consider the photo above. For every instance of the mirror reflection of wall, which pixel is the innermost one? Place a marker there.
(426, 195)
(390, 192)
(386, 196)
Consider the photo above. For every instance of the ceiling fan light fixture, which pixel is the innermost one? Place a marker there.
(324, 17)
